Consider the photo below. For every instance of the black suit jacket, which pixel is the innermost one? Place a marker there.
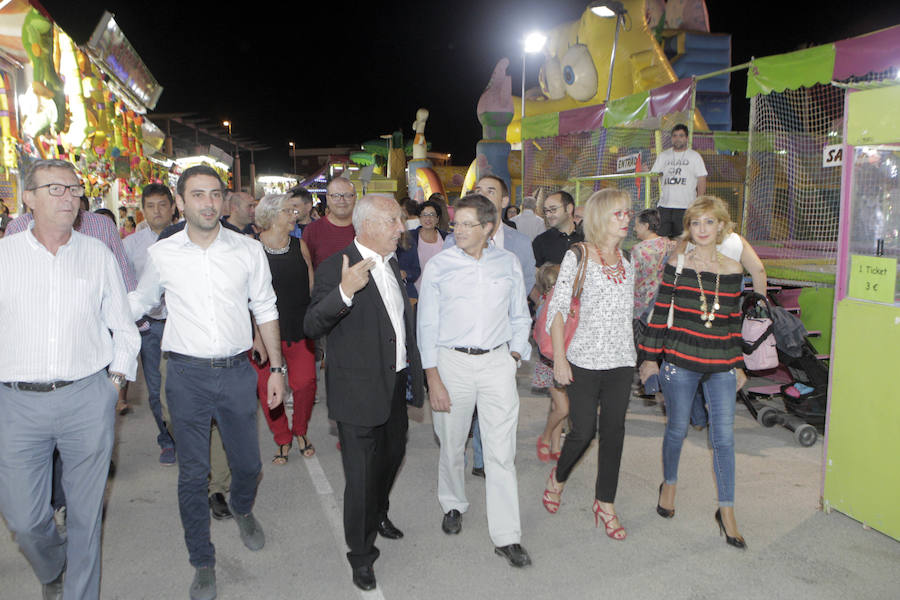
(360, 370)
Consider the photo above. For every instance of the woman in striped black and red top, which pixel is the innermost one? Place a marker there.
(700, 346)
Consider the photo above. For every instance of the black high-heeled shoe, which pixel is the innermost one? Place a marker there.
(737, 542)
(666, 513)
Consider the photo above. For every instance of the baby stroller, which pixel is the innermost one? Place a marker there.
(793, 394)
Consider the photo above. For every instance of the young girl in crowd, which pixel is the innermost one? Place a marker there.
(548, 444)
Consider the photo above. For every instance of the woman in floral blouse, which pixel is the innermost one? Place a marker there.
(648, 257)
(598, 364)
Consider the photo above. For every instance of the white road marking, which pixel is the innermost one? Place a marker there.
(334, 514)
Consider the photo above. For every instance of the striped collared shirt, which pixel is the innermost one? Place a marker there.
(57, 312)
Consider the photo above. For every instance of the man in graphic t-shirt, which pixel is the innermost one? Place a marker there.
(335, 231)
(683, 179)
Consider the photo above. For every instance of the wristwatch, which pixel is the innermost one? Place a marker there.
(282, 369)
(118, 380)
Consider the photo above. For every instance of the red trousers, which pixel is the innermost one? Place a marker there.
(301, 363)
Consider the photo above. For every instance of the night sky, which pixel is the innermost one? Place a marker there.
(323, 75)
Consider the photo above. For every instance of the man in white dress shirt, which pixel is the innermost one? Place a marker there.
(63, 302)
(209, 274)
(158, 207)
(473, 326)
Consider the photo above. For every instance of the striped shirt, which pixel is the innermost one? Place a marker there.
(57, 311)
(96, 226)
(689, 343)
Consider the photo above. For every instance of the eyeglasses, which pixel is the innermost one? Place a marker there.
(347, 196)
(291, 211)
(431, 215)
(623, 214)
(59, 189)
(465, 226)
(551, 210)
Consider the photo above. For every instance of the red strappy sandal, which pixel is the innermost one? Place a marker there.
(612, 533)
(550, 504)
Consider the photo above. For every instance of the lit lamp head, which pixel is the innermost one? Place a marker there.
(534, 42)
(607, 9)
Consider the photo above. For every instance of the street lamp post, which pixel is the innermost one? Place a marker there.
(609, 9)
(293, 156)
(236, 180)
(533, 43)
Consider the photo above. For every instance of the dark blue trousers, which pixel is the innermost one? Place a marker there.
(197, 394)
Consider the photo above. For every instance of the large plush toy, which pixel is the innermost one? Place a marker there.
(37, 39)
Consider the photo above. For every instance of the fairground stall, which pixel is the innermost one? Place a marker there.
(85, 105)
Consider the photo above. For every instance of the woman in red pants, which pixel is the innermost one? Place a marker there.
(292, 278)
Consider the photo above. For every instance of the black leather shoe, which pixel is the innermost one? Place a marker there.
(364, 578)
(452, 522)
(478, 472)
(515, 554)
(387, 530)
(219, 507)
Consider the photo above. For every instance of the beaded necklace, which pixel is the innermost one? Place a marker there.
(706, 314)
(270, 250)
(616, 272)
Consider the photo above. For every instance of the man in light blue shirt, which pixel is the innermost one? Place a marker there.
(473, 325)
(494, 189)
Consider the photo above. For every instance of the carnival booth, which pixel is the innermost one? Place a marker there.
(863, 432)
(85, 105)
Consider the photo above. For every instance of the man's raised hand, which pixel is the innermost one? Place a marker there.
(356, 277)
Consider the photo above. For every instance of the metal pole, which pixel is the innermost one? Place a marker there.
(522, 131)
(723, 71)
(691, 112)
(612, 59)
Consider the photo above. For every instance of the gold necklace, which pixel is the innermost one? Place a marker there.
(705, 314)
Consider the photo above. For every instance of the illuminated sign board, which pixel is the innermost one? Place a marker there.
(109, 46)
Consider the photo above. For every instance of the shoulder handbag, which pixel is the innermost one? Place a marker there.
(541, 336)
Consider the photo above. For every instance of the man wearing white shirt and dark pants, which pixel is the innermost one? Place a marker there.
(683, 180)
(63, 302)
(209, 274)
(159, 208)
(473, 325)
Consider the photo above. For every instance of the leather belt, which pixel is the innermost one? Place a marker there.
(477, 351)
(24, 386)
(215, 363)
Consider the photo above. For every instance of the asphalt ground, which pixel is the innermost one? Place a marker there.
(795, 550)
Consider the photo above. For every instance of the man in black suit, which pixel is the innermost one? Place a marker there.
(359, 302)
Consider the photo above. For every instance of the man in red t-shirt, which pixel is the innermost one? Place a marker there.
(326, 236)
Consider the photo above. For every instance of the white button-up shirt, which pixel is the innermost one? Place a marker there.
(207, 292)
(389, 290)
(57, 311)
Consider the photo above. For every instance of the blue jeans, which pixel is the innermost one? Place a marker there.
(699, 417)
(150, 356)
(680, 385)
(196, 395)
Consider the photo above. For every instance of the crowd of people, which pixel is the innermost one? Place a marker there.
(238, 302)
